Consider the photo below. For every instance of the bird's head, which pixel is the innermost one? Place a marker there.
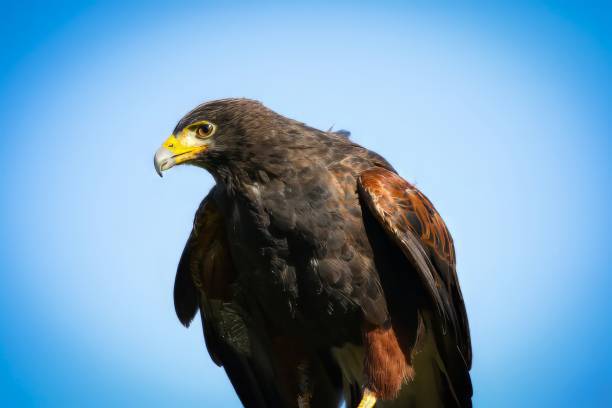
(214, 132)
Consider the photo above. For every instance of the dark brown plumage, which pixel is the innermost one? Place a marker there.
(316, 269)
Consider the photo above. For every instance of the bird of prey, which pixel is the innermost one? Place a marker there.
(321, 276)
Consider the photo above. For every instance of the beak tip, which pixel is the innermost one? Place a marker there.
(162, 160)
(157, 168)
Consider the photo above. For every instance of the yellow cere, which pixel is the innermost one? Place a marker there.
(177, 147)
(185, 146)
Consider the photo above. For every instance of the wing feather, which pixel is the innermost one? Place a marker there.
(204, 280)
(204, 275)
(412, 222)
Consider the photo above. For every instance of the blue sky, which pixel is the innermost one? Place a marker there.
(500, 114)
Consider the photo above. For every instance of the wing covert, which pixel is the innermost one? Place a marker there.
(412, 222)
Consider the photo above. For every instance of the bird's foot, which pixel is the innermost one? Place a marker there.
(368, 400)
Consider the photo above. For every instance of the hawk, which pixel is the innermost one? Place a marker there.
(321, 276)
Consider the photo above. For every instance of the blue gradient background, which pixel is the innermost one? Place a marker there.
(501, 115)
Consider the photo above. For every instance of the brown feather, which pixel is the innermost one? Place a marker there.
(413, 223)
(385, 365)
(210, 262)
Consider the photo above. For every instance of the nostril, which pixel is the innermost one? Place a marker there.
(171, 145)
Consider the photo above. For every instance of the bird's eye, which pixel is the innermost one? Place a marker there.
(205, 130)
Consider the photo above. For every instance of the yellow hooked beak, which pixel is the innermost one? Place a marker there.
(176, 151)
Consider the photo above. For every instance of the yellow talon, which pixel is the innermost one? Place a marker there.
(368, 400)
